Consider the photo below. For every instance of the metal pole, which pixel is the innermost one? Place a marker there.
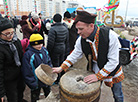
(126, 10)
(35, 6)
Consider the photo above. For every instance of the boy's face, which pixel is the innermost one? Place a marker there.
(38, 47)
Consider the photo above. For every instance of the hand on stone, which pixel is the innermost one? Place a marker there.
(90, 78)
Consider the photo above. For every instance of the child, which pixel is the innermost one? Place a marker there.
(35, 55)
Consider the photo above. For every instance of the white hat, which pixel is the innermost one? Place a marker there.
(45, 74)
(35, 16)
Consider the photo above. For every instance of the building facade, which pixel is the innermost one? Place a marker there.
(46, 7)
(23, 7)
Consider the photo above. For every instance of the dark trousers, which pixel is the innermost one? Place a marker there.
(57, 60)
(35, 93)
(14, 90)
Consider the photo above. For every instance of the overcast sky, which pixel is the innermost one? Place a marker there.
(131, 12)
(1, 1)
(132, 6)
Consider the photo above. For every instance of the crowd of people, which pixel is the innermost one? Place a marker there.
(68, 38)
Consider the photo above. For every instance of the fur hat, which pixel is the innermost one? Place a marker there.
(36, 39)
(24, 17)
(5, 24)
(85, 17)
(57, 17)
(67, 14)
(35, 16)
(32, 13)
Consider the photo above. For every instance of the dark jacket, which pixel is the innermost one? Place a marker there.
(26, 30)
(58, 39)
(31, 60)
(42, 29)
(15, 22)
(9, 72)
(72, 36)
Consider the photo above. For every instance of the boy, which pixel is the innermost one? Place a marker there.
(35, 55)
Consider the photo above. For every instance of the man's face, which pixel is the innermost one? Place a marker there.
(38, 47)
(7, 34)
(84, 29)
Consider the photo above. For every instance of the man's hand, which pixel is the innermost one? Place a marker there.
(90, 78)
(57, 69)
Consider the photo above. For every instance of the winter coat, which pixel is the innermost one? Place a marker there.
(31, 60)
(42, 29)
(27, 31)
(9, 72)
(15, 22)
(73, 35)
(58, 39)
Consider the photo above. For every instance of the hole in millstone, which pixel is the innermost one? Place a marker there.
(79, 78)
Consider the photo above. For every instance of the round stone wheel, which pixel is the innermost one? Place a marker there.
(74, 89)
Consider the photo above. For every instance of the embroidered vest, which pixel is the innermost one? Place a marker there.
(102, 46)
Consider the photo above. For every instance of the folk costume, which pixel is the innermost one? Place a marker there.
(111, 66)
(102, 45)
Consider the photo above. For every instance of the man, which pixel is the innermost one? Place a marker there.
(102, 46)
(58, 41)
(11, 83)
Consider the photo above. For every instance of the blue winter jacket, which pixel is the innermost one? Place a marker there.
(31, 60)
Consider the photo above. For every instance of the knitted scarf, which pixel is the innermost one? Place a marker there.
(13, 49)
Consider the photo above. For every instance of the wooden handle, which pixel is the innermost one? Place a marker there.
(90, 63)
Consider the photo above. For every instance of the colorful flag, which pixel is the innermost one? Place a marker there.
(111, 6)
